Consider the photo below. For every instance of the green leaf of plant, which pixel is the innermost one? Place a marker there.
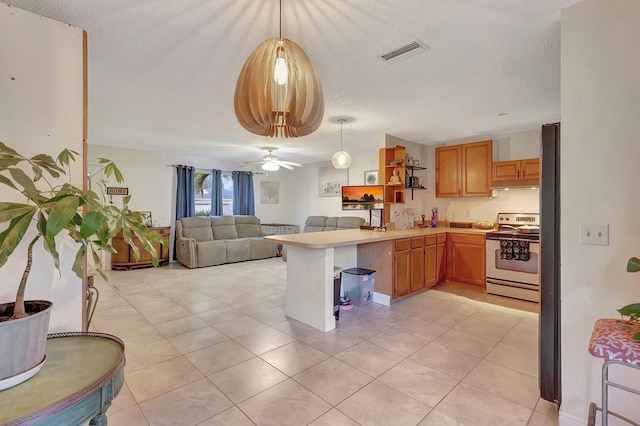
(66, 157)
(6, 162)
(11, 237)
(10, 211)
(50, 245)
(79, 261)
(111, 169)
(633, 265)
(630, 310)
(61, 214)
(5, 180)
(636, 336)
(7, 151)
(91, 223)
(29, 189)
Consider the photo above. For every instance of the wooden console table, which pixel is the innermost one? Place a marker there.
(82, 374)
(125, 259)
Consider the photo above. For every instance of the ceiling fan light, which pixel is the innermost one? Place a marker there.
(341, 160)
(270, 167)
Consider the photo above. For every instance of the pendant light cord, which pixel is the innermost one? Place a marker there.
(280, 19)
(341, 123)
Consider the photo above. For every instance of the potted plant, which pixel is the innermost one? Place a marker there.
(49, 208)
(631, 313)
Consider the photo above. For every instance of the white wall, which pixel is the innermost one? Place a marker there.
(41, 82)
(599, 179)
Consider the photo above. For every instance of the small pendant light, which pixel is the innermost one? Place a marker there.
(341, 159)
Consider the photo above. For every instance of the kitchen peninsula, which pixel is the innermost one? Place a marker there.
(313, 256)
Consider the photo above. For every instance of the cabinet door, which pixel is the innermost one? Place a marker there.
(402, 270)
(467, 259)
(476, 169)
(506, 171)
(530, 168)
(417, 264)
(448, 164)
(441, 263)
(430, 264)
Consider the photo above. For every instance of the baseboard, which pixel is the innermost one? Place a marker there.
(381, 299)
(566, 419)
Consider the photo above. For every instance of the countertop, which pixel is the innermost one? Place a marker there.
(348, 237)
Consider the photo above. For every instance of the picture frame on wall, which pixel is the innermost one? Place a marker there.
(371, 177)
(269, 192)
(146, 217)
(331, 181)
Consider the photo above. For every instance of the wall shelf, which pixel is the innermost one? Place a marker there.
(410, 178)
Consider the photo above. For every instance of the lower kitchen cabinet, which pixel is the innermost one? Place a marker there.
(441, 258)
(417, 264)
(430, 261)
(466, 259)
(402, 267)
(125, 259)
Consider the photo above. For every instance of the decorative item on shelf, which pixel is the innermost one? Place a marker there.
(278, 92)
(395, 162)
(341, 159)
(395, 179)
(416, 162)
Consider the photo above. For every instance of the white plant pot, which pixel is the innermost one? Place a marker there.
(23, 341)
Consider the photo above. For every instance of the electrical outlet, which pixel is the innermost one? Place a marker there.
(594, 234)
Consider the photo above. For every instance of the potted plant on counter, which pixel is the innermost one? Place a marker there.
(48, 210)
(631, 313)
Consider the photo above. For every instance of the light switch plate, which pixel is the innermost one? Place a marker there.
(594, 234)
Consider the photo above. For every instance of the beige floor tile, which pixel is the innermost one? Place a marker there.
(408, 307)
(517, 358)
(294, 328)
(423, 329)
(332, 380)
(264, 340)
(180, 326)
(446, 360)
(420, 382)
(294, 357)
(363, 328)
(188, 405)
(220, 314)
(247, 379)
(197, 339)
(369, 358)
(240, 326)
(231, 417)
(436, 418)
(287, 403)
(379, 404)
(398, 341)
(162, 315)
(474, 406)
(123, 401)
(132, 416)
(204, 304)
(331, 342)
(484, 329)
(218, 357)
(466, 343)
(505, 382)
(148, 355)
(539, 419)
(270, 316)
(140, 336)
(547, 408)
(153, 381)
(333, 418)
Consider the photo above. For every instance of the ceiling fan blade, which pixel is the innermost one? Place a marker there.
(252, 163)
(286, 166)
(290, 163)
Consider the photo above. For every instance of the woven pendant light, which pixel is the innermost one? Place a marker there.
(278, 91)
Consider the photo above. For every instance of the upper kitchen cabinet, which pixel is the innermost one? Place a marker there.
(516, 173)
(464, 170)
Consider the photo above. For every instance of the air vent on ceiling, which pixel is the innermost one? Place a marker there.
(406, 51)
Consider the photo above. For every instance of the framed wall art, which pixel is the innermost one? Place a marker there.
(331, 180)
(371, 177)
(269, 192)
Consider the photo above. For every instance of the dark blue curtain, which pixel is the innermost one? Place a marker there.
(243, 193)
(216, 192)
(185, 200)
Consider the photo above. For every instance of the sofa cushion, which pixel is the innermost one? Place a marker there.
(315, 223)
(198, 228)
(224, 227)
(261, 249)
(248, 226)
(209, 253)
(238, 250)
(350, 222)
(332, 223)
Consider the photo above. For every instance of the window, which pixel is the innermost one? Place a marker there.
(202, 190)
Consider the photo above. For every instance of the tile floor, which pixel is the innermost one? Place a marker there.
(212, 346)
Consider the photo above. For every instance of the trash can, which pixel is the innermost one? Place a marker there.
(358, 284)
(337, 278)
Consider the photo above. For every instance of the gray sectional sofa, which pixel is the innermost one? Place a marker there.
(214, 240)
(328, 223)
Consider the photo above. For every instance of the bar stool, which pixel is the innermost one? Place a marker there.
(611, 340)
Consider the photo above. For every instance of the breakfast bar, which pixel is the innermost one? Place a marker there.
(310, 268)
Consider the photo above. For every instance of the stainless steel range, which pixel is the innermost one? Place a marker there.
(513, 256)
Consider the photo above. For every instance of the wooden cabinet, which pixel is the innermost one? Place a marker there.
(392, 173)
(430, 261)
(417, 264)
(125, 259)
(466, 259)
(517, 170)
(402, 267)
(441, 258)
(464, 170)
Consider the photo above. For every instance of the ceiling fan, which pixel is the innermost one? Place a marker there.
(271, 163)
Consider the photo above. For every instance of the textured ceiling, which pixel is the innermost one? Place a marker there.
(162, 73)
